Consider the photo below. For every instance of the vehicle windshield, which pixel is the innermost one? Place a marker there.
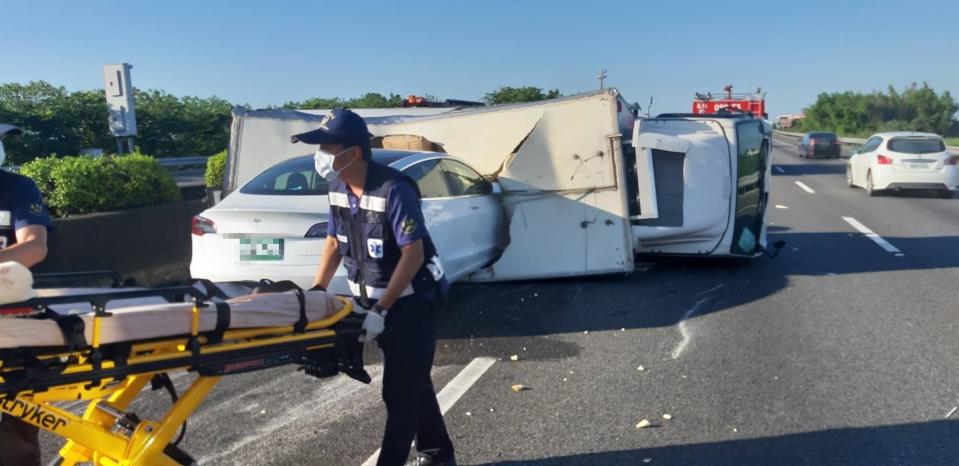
(917, 145)
(293, 177)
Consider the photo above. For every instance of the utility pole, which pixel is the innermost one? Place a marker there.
(601, 77)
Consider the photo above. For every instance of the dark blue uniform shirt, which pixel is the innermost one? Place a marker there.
(403, 211)
(21, 205)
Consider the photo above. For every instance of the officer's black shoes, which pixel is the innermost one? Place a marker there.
(434, 458)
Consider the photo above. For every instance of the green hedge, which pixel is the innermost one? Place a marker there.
(84, 185)
(215, 168)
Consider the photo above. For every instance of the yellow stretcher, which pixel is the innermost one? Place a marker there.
(112, 376)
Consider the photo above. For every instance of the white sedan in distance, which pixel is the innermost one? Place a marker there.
(903, 161)
(275, 224)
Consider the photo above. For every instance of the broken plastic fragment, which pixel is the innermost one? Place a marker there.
(642, 424)
(519, 387)
(640, 368)
(667, 416)
(469, 413)
(514, 358)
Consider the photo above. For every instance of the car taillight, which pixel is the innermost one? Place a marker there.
(952, 160)
(883, 160)
(317, 231)
(201, 226)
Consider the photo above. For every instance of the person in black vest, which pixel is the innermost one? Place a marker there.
(376, 228)
(24, 223)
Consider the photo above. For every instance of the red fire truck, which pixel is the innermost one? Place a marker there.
(752, 102)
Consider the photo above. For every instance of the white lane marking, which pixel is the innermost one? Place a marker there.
(452, 392)
(684, 331)
(780, 169)
(804, 187)
(780, 206)
(873, 236)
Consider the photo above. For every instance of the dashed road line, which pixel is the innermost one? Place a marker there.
(874, 237)
(454, 390)
(804, 187)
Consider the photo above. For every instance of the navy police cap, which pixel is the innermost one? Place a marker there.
(339, 126)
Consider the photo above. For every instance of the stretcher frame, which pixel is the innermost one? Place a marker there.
(106, 434)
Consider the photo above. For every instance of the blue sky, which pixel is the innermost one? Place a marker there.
(270, 52)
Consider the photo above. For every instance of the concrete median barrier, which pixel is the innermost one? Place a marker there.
(149, 245)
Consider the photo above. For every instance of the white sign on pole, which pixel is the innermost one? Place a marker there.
(119, 93)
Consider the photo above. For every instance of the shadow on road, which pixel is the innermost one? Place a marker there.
(660, 297)
(833, 167)
(926, 443)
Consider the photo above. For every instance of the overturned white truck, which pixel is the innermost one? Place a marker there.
(586, 184)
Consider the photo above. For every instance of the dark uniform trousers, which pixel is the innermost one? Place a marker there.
(19, 443)
(409, 343)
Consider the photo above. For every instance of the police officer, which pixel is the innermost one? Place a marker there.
(24, 223)
(376, 228)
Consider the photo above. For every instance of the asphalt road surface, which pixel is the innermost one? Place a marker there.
(842, 350)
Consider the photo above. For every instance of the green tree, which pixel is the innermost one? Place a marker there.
(58, 122)
(509, 95)
(169, 126)
(368, 100)
(915, 108)
(55, 121)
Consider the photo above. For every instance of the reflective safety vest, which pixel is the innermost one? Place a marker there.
(367, 244)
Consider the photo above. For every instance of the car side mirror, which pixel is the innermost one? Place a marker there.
(497, 188)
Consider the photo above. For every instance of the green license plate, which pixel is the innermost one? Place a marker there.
(261, 249)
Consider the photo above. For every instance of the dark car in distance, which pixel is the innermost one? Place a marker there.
(820, 144)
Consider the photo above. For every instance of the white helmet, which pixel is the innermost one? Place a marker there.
(16, 283)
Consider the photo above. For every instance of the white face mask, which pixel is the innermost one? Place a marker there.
(3, 155)
(323, 163)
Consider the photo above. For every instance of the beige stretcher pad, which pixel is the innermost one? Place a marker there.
(152, 321)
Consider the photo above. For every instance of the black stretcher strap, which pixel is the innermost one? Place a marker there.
(269, 286)
(222, 322)
(72, 328)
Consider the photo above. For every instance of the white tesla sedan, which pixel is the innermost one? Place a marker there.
(274, 225)
(901, 161)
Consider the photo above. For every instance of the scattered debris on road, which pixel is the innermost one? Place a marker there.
(514, 358)
(643, 424)
(641, 368)
(667, 416)
(519, 388)
(952, 411)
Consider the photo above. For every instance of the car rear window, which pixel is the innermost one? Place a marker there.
(917, 145)
(293, 177)
(822, 136)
